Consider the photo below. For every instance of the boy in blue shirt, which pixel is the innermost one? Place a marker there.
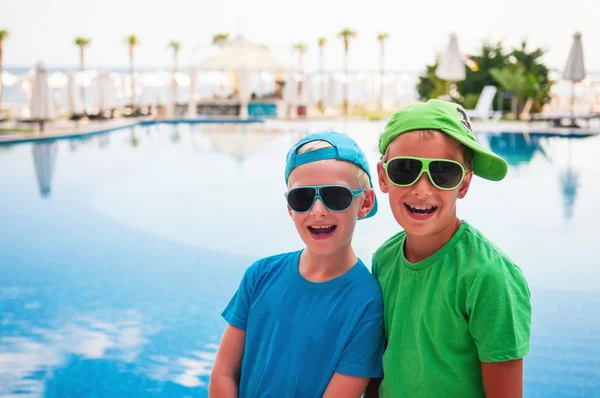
(309, 323)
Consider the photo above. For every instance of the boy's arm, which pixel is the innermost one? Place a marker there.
(373, 388)
(225, 375)
(342, 385)
(503, 379)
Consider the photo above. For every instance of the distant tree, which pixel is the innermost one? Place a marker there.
(175, 46)
(132, 41)
(346, 34)
(82, 43)
(381, 38)
(321, 41)
(3, 37)
(220, 38)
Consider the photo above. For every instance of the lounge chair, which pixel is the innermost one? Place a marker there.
(558, 119)
(483, 109)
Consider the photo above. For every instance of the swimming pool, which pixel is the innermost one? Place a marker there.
(119, 251)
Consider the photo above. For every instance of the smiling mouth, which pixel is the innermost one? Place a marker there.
(322, 229)
(420, 209)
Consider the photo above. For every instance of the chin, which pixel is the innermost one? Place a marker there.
(413, 227)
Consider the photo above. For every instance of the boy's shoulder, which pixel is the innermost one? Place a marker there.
(266, 265)
(389, 250)
(471, 252)
(480, 250)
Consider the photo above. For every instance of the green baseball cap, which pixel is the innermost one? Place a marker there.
(451, 119)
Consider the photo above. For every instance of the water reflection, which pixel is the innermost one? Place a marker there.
(240, 143)
(44, 159)
(30, 356)
(569, 183)
(115, 287)
(134, 141)
(516, 148)
(519, 149)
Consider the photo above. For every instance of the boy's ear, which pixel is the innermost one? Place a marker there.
(367, 203)
(382, 177)
(464, 185)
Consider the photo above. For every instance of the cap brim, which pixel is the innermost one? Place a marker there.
(486, 164)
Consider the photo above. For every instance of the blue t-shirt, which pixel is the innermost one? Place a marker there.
(298, 333)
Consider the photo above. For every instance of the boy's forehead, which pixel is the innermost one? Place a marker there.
(432, 144)
(323, 172)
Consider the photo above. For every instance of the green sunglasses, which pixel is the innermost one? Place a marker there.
(444, 174)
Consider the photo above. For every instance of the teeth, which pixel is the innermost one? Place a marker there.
(420, 207)
(321, 226)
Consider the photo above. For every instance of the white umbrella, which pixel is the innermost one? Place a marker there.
(105, 96)
(44, 158)
(330, 100)
(192, 106)
(306, 95)
(183, 80)
(451, 66)
(241, 54)
(245, 91)
(41, 104)
(57, 80)
(74, 100)
(290, 91)
(8, 79)
(575, 68)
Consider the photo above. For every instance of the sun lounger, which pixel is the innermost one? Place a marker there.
(558, 119)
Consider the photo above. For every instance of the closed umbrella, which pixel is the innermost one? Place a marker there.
(330, 100)
(575, 67)
(245, 91)
(105, 93)
(74, 100)
(44, 158)
(451, 66)
(41, 104)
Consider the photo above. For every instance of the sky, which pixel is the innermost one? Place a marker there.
(44, 30)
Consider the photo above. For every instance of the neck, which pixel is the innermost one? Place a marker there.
(418, 248)
(317, 267)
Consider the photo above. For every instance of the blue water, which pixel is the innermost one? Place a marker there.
(118, 252)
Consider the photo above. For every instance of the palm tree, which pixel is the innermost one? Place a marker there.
(322, 41)
(175, 45)
(346, 34)
(220, 38)
(301, 48)
(3, 36)
(82, 42)
(381, 37)
(132, 41)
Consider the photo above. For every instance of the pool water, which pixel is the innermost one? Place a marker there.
(119, 252)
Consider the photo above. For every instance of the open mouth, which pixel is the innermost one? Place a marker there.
(322, 230)
(420, 210)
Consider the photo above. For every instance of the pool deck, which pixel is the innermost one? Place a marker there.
(70, 129)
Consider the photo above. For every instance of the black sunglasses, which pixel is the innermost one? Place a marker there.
(333, 197)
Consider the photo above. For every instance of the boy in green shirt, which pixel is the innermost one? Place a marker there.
(457, 310)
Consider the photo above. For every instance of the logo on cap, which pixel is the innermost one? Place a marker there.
(465, 119)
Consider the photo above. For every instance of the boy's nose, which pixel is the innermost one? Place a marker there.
(318, 209)
(423, 186)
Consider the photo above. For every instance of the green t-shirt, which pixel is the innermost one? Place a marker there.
(466, 304)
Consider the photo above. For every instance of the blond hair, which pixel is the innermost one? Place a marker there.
(361, 175)
(466, 152)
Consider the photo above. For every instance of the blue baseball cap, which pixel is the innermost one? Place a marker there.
(343, 148)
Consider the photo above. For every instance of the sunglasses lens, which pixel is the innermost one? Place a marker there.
(336, 198)
(445, 174)
(404, 171)
(301, 199)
